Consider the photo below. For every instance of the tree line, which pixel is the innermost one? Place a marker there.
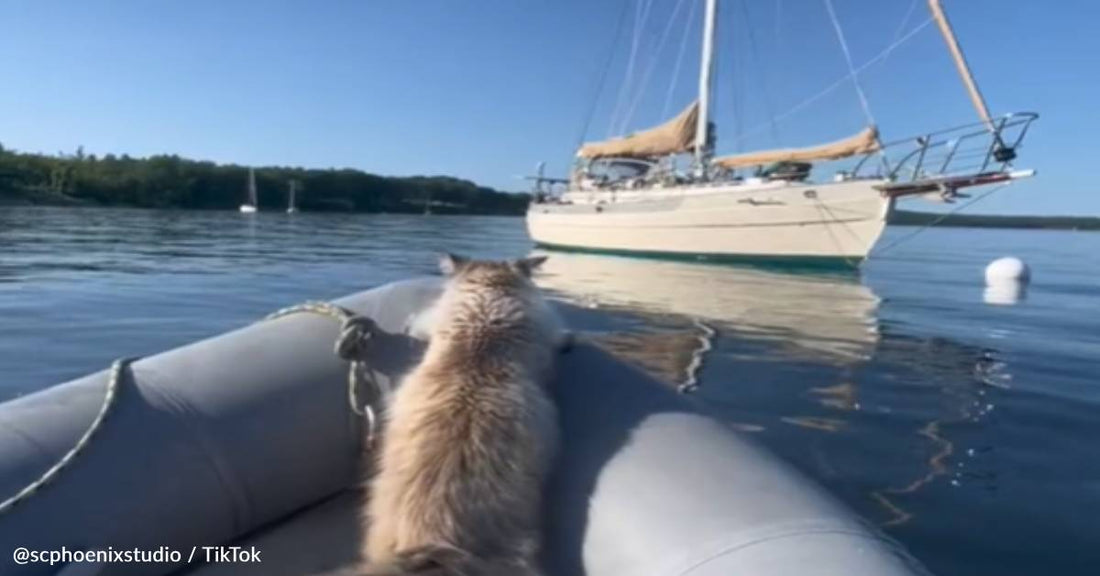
(169, 181)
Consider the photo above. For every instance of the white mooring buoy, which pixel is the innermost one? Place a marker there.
(1006, 281)
(1008, 269)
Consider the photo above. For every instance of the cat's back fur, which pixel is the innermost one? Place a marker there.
(471, 432)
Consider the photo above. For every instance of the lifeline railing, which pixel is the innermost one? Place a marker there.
(971, 149)
(967, 155)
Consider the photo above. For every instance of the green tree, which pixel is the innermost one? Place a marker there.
(165, 181)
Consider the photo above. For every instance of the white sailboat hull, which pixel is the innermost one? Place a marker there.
(247, 209)
(767, 220)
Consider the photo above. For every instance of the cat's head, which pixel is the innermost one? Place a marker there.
(490, 272)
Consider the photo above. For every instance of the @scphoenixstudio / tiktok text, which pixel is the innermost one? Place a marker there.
(162, 554)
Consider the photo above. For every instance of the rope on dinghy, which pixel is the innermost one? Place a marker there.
(355, 332)
(113, 381)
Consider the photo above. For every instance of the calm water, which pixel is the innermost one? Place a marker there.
(968, 430)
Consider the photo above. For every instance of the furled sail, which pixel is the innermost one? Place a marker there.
(672, 137)
(863, 143)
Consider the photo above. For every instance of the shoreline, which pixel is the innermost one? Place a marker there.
(907, 218)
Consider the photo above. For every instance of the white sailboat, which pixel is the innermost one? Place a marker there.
(251, 204)
(291, 207)
(626, 195)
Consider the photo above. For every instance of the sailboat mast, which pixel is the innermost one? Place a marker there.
(706, 84)
(960, 62)
(293, 189)
(252, 187)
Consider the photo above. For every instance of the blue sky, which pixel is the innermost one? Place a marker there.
(485, 89)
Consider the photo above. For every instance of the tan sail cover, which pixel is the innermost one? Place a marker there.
(862, 143)
(676, 135)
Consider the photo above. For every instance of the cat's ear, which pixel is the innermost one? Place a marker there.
(450, 264)
(526, 266)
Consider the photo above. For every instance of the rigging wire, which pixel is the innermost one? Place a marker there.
(778, 28)
(679, 59)
(603, 75)
(754, 58)
(897, 241)
(905, 20)
(851, 66)
(641, 15)
(735, 79)
(640, 91)
(839, 82)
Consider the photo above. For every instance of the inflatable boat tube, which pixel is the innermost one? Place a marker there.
(247, 438)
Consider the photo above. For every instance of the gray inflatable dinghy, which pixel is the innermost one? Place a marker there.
(247, 438)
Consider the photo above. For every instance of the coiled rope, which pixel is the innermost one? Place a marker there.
(351, 345)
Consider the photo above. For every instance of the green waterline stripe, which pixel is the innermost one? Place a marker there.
(785, 263)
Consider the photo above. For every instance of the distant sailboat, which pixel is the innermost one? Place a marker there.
(291, 208)
(250, 205)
